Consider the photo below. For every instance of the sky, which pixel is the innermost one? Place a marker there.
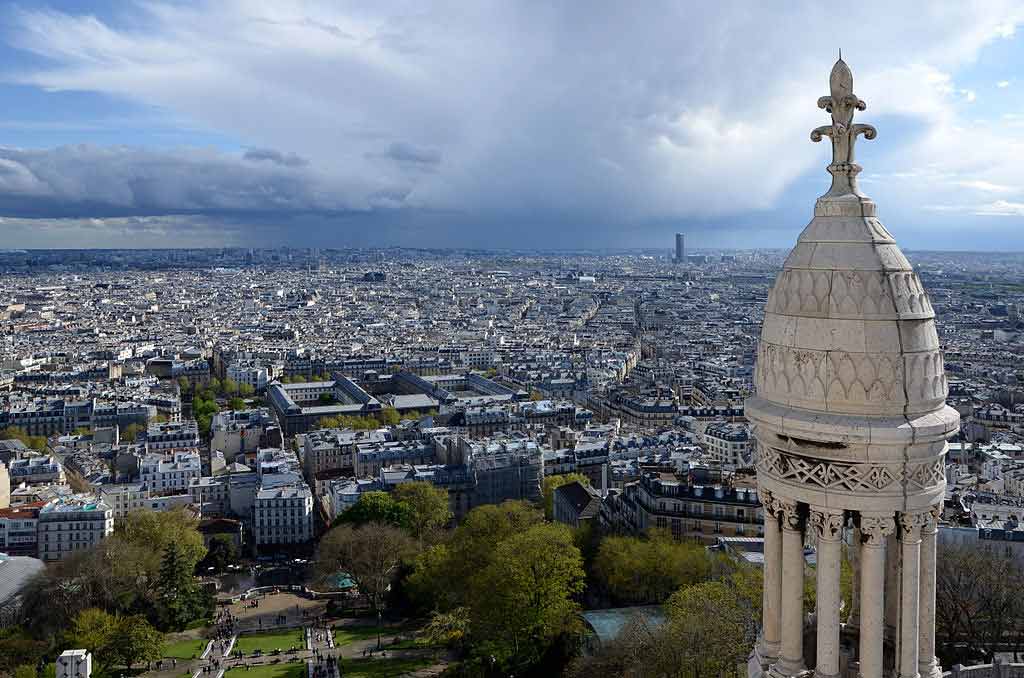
(499, 124)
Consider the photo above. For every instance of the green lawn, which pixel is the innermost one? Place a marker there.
(343, 635)
(271, 641)
(381, 668)
(184, 649)
(289, 670)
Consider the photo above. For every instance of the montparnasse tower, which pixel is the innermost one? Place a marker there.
(851, 422)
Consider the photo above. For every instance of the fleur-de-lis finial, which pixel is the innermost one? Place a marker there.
(842, 103)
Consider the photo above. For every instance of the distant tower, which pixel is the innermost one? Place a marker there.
(680, 248)
(851, 422)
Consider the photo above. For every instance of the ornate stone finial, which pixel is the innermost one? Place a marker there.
(841, 103)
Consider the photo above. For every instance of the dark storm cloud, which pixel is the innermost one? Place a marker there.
(91, 181)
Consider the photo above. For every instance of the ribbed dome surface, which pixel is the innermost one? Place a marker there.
(848, 328)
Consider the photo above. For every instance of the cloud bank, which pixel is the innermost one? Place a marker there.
(604, 118)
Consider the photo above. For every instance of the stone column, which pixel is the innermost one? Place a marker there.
(892, 584)
(910, 591)
(828, 527)
(791, 659)
(771, 641)
(853, 619)
(874, 529)
(927, 664)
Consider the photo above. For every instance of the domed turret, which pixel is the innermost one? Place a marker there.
(850, 417)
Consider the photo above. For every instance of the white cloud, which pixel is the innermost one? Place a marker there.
(624, 112)
(1002, 208)
(1003, 84)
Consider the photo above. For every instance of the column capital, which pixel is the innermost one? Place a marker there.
(827, 523)
(875, 528)
(911, 525)
(769, 502)
(791, 516)
(932, 516)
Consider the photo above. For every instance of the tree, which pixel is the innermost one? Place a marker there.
(377, 506)
(37, 443)
(246, 390)
(156, 530)
(222, 552)
(648, 569)
(95, 630)
(523, 600)
(978, 607)
(131, 432)
(441, 574)
(180, 600)
(428, 508)
(236, 403)
(390, 416)
(229, 386)
(136, 641)
(711, 626)
(326, 399)
(552, 483)
(184, 384)
(370, 555)
(214, 386)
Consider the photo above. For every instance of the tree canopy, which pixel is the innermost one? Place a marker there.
(552, 483)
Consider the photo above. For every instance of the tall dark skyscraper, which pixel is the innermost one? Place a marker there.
(680, 248)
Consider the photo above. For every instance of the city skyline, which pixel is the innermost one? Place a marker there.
(240, 124)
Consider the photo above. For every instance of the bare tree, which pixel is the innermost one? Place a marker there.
(370, 555)
(978, 607)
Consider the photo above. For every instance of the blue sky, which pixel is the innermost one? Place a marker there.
(504, 124)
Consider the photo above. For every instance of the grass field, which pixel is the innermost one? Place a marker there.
(289, 670)
(184, 649)
(382, 668)
(266, 642)
(343, 635)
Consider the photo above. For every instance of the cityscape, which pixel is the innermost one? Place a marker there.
(508, 342)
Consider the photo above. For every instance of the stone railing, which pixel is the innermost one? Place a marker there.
(997, 669)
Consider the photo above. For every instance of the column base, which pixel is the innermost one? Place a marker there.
(786, 669)
(766, 653)
(932, 670)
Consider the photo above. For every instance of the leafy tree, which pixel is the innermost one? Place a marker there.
(24, 671)
(447, 628)
(136, 641)
(156, 530)
(246, 390)
(390, 416)
(184, 384)
(222, 552)
(236, 403)
(379, 507)
(712, 626)
(229, 386)
(552, 483)
(645, 570)
(523, 600)
(18, 647)
(326, 399)
(215, 386)
(428, 508)
(38, 443)
(131, 432)
(94, 630)
(370, 555)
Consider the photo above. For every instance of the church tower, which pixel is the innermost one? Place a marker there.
(851, 423)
